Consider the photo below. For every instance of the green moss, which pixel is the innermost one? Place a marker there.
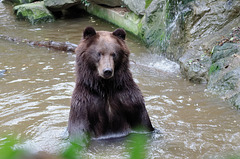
(167, 10)
(141, 32)
(214, 67)
(34, 13)
(147, 3)
(129, 21)
(172, 8)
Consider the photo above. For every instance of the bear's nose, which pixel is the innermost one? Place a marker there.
(107, 72)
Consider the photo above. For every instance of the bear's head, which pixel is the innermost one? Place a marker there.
(104, 52)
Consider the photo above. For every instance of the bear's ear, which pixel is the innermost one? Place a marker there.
(120, 33)
(88, 32)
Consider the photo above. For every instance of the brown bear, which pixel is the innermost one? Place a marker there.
(106, 100)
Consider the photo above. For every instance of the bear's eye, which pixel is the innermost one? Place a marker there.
(99, 54)
(113, 55)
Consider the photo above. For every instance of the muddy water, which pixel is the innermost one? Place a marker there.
(36, 90)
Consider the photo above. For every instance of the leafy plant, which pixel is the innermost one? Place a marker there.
(74, 150)
(7, 150)
(137, 146)
(71, 151)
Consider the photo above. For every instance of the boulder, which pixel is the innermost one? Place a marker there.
(196, 69)
(118, 16)
(162, 27)
(58, 5)
(137, 6)
(33, 12)
(201, 28)
(224, 73)
(224, 51)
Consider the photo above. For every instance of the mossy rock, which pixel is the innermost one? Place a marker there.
(235, 100)
(215, 67)
(224, 73)
(59, 5)
(34, 12)
(226, 83)
(197, 69)
(220, 52)
(127, 20)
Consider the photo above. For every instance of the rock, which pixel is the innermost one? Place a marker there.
(224, 73)
(110, 3)
(207, 17)
(163, 27)
(202, 27)
(221, 52)
(17, 2)
(118, 16)
(58, 5)
(235, 100)
(196, 69)
(153, 24)
(137, 6)
(33, 12)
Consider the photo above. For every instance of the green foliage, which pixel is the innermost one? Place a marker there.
(147, 3)
(71, 151)
(76, 147)
(137, 146)
(7, 150)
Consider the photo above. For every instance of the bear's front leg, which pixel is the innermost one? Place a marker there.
(78, 123)
(132, 102)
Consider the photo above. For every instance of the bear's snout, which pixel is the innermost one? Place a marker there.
(107, 73)
(105, 66)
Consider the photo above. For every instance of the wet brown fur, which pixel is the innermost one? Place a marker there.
(102, 106)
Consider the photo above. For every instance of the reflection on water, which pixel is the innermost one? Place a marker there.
(35, 96)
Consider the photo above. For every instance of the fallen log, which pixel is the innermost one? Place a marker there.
(61, 46)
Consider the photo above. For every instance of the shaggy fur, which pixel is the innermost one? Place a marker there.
(103, 105)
